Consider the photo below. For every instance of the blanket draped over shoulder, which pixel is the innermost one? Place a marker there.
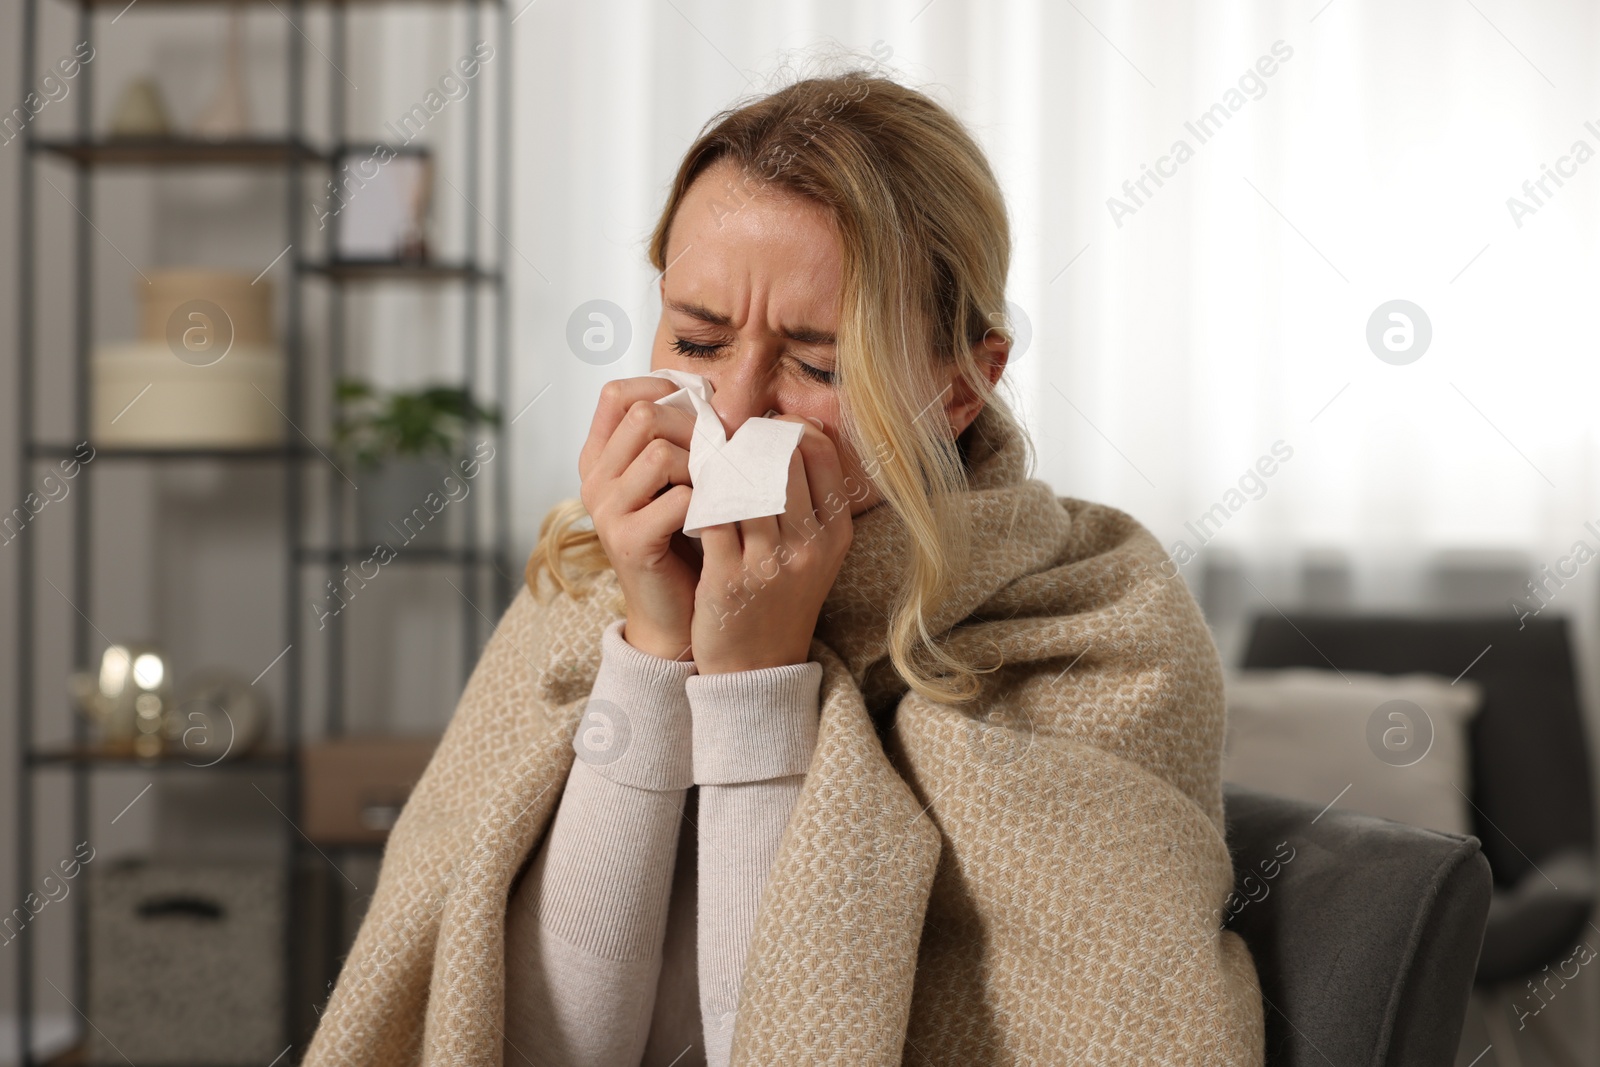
(1032, 877)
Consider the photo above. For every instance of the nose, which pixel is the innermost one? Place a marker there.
(740, 391)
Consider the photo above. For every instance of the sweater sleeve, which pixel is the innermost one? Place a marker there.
(754, 732)
(584, 925)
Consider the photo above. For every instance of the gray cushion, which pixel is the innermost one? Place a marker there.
(1366, 940)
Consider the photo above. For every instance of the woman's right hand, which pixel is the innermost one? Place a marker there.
(635, 473)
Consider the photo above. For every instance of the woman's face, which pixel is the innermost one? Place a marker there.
(750, 300)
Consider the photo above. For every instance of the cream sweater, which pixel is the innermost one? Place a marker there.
(602, 937)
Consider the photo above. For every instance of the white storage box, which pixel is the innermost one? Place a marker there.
(143, 396)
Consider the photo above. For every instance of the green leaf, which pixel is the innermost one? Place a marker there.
(431, 421)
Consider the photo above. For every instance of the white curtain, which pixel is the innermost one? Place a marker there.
(1336, 157)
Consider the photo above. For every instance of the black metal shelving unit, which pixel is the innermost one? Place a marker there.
(480, 559)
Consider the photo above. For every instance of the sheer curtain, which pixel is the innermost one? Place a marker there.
(1210, 204)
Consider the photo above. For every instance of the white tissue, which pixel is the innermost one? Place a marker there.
(745, 478)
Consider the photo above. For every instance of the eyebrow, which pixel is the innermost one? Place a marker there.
(805, 335)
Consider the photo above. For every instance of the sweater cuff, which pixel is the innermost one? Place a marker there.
(754, 725)
(635, 727)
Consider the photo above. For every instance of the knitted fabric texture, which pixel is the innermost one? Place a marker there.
(1032, 877)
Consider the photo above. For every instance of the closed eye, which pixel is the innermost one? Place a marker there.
(694, 351)
(698, 351)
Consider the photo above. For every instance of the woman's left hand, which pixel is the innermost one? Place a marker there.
(763, 581)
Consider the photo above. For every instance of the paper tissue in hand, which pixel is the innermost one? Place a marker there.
(745, 478)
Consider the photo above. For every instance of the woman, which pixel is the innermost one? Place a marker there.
(924, 770)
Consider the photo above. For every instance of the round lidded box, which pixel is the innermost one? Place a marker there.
(206, 373)
(248, 306)
(145, 397)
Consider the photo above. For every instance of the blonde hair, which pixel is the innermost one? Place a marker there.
(926, 247)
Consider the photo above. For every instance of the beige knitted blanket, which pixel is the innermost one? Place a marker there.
(1033, 878)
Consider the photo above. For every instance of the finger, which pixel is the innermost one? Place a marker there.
(616, 398)
(760, 534)
(659, 466)
(644, 422)
(664, 516)
(798, 522)
(722, 549)
(824, 479)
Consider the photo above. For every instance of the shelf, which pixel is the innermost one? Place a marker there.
(95, 756)
(361, 270)
(117, 5)
(77, 1055)
(298, 483)
(44, 450)
(402, 554)
(181, 151)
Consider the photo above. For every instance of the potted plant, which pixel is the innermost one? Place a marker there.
(404, 446)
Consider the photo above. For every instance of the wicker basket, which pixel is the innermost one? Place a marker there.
(186, 963)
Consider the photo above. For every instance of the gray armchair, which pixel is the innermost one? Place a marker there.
(1531, 794)
(1365, 939)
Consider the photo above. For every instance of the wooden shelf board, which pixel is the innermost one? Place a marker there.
(416, 554)
(180, 151)
(118, 5)
(399, 270)
(92, 755)
(46, 450)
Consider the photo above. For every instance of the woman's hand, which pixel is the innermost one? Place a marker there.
(635, 472)
(763, 581)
